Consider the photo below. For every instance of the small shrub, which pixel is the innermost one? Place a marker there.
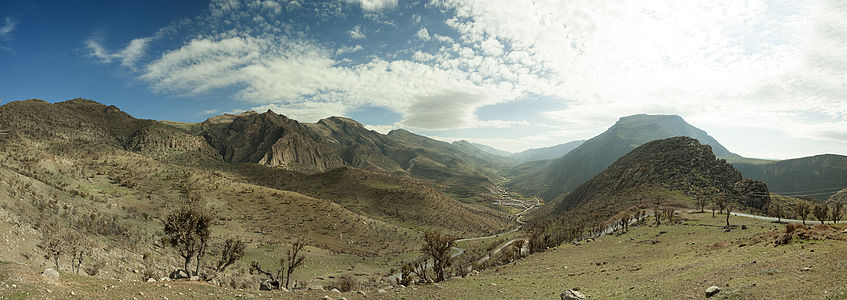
(346, 283)
(94, 268)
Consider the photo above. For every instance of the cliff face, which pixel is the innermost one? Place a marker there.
(820, 176)
(269, 139)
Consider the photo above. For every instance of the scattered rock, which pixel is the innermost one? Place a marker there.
(50, 275)
(806, 269)
(362, 293)
(151, 280)
(336, 291)
(316, 287)
(493, 284)
(194, 278)
(179, 274)
(381, 291)
(327, 297)
(712, 290)
(266, 285)
(572, 295)
(164, 279)
(141, 293)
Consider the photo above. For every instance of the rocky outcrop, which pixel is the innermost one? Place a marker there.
(572, 295)
(753, 194)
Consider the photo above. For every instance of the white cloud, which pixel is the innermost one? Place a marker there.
(423, 34)
(128, 56)
(6, 30)
(356, 33)
(374, 5)
(744, 62)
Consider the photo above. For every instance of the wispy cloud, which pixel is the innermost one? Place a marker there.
(356, 33)
(714, 62)
(128, 56)
(374, 5)
(6, 30)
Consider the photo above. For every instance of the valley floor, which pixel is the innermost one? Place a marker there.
(649, 262)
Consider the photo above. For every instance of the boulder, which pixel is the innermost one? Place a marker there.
(268, 285)
(179, 274)
(335, 291)
(572, 295)
(712, 290)
(50, 275)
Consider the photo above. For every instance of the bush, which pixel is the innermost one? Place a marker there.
(346, 283)
(94, 268)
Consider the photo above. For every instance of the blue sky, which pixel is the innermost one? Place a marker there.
(765, 78)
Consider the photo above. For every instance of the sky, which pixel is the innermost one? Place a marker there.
(767, 79)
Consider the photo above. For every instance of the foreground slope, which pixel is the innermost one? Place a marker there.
(564, 174)
(677, 261)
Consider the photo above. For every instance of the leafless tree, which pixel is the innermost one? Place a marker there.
(53, 242)
(231, 252)
(835, 212)
(821, 212)
(293, 258)
(437, 246)
(803, 211)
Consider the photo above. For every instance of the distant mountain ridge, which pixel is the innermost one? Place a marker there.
(819, 176)
(546, 153)
(564, 174)
(492, 150)
(275, 140)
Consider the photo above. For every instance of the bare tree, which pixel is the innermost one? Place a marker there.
(835, 212)
(293, 258)
(53, 242)
(231, 252)
(777, 211)
(419, 268)
(803, 211)
(728, 213)
(188, 228)
(821, 212)
(437, 245)
(720, 200)
(274, 279)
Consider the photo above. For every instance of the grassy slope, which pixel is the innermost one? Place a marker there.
(680, 265)
(665, 262)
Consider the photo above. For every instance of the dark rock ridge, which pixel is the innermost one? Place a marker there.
(676, 164)
(566, 173)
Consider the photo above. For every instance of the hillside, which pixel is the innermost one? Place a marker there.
(492, 150)
(679, 165)
(274, 140)
(819, 176)
(564, 174)
(677, 261)
(841, 196)
(546, 153)
(94, 168)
